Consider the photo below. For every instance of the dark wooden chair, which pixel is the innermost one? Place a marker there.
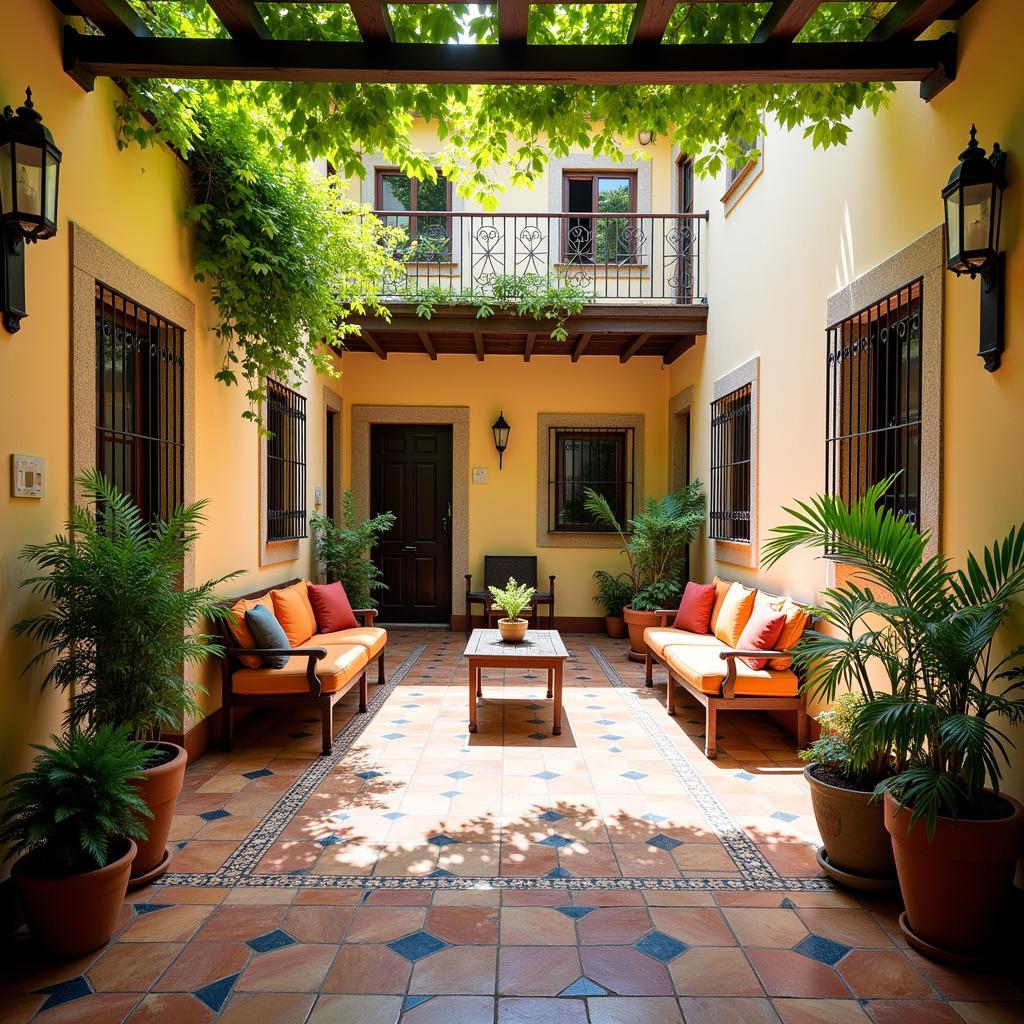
(497, 570)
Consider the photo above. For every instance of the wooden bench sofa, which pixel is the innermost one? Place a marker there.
(319, 671)
(713, 670)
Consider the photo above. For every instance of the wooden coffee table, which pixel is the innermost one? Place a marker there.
(542, 648)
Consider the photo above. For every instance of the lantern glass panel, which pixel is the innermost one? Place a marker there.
(977, 214)
(953, 226)
(50, 192)
(28, 185)
(6, 177)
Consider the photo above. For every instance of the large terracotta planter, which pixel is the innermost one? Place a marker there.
(636, 623)
(159, 787)
(857, 851)
(71, 915)
(615, 626)
(956, 886)
(513, 631)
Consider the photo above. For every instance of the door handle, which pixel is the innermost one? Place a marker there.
(409, 547)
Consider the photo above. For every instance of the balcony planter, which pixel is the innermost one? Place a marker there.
(857, 851)
(615, 625)
(71, 915)
(159, 787)
(957, 885)
(636, 623)
(512, 631)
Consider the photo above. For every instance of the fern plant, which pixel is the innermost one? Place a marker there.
(512, 598)
(119, 626)
(613, 592)
(654, 542)
(342, 549)
(79, 794)
(929, 631)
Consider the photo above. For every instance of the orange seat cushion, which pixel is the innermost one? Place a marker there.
(372, 638)
(703, 669)
(734, 614)
(293, 610)
(660, 637)
(342, 666)
(240, 629)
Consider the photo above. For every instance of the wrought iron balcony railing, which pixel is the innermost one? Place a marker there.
(611, 257)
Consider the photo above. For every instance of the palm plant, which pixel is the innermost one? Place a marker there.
(120, 625)
(613, 592)
(654, 542)
(929, 631)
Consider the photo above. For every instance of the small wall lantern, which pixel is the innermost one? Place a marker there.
(973, 200)
(500, 429)
(29, 179)
(645, 137)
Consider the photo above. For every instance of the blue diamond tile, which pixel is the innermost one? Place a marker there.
(595, 707)
(559, 873)
(450, 793)
(825, 951)
(410, 707)
(441, 873)
(277, 939)
(394, 815)
(368, 775)
(260, 773)
(660, 946)
(331, 840)
(459, 774)
(418, 693)
(654, 819)
(590, 695)
(584, 679)
(784, 816)
(296, 736)
(65, 992)
(410, 1001)
(400, 721)
(535, 721)
(534, 707)
(610, 737)
(787, 904)
(583, 986)
(530, 676)
(546, 775)
(418, 945)
(216, 993)
(551, 816)
(441, 841)
(556, 842)
(606, 721)
(539, 736)
(575, 912)
(634, 775)
(615, 750)
(664, 842)
(340, 816)
(149, 908)
(745, 776)
(215, 815)
(394, 735)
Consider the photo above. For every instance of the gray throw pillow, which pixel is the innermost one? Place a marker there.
(267, 632)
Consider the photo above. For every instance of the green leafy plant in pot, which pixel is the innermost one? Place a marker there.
(654, 542)
(614, 593)
(120, 628)
(512, 599)
(74, 817)
(933, 630)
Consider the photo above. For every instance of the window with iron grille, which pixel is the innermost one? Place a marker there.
(730, 466)
(873, 405)
(601, 458)
(140, 402)
(286, 463)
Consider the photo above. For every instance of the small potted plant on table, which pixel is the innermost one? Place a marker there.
(614, 592)
(512, 600)
(74, 817)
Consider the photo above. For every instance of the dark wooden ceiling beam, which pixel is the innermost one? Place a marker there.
(580, 347)
(513, 20)
(650, 19)
(599, 324)
(241, 18)
(907, 19)
(681, 346)
(428, 345)
(375, 345)
(478, 342)
(784, 20)
(531, 340)
(114, 17)
(373, 20)
(425, 63)
(633, 347)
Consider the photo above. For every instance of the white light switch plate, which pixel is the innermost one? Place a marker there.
(28, 476)
(479, 475)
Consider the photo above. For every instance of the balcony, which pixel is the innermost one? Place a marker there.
(637, 275)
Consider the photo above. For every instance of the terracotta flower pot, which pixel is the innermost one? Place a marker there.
(615, 625)
(957, 885)
(636, 623)
(71, 915)
(858, 852)
(512, 631)
(159, 787)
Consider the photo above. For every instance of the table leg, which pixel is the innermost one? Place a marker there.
(557, 710)
(474, 684)
(551, 680)
(479, 682)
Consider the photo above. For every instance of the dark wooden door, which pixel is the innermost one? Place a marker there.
(411, 476)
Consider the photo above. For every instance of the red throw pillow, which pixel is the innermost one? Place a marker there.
(695, 608)
(761, 633)
(331, 607)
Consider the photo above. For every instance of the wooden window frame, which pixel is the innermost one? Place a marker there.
(732, 454)
(286, 471)
(380, 173)
(568, 174)
(625, 484)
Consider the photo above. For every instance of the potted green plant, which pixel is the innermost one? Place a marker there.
(512, 599)
(120, 631)
(654, 542)
(73, 818)
(614, 593)
(956, 839)
(342, 549)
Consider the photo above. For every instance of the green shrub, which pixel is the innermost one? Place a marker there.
(614, 592)
(513, 598)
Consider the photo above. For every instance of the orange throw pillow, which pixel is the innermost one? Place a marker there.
(734, 613)
(293, 610)
(695, 607)
(721, 590)
(761, 633)
(797, 620)
(240, 629)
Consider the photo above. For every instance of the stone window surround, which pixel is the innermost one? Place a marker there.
(555, 539)
(679, 405)
(333, 403)
(274, 552)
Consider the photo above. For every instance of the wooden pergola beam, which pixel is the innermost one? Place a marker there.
(513, 20)
(426, 63)
(373, 343)
(241, 18)
(580, 347)
(478, 341)
(784, 20)
(907, 19)
(114, 17)
(531, 340)
(428, 345)
(650, 19)
(633, 347)
(373, 20)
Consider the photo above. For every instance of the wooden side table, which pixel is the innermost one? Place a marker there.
(541, 648)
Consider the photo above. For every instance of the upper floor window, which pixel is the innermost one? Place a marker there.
(400, 197)
(598, 239)
(873, 404)
(286, 463)
(730, 512)
(600, 458)
(140, 403)
(741, 175)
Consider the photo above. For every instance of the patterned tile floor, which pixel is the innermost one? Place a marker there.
(610, 875)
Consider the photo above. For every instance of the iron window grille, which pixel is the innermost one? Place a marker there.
(873, 404)
(730, 466)
(601, 458)
(140, 403)
(286, 463)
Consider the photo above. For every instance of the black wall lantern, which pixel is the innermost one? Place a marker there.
(29, 178)
(973, 199)
(500, 429)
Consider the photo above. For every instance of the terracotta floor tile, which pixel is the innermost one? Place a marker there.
(614, 926)
(881, 974)
(382, 924)
(541, 1011)
(527, 926)
(777, 929)
(908, 1011)
(728, 1011)
(463, 924)
(174, 924)
(98, 1009)
(785, 973)
(238, 923)
(714, 971)
(651, 1010)
(201, 963)
(537, 970)
(791, 859)
(333, 1009)
(458, 970)
(203, 895)
(329, 897)
(696, 926)
(19, 1009)
(162, 1007)
(317, 924)
(851, 927)
(821, 1011)
(368, 969)
(297, 968)
(203, 855)
(625, 971)
(266, 1008)
(989, 1013)
(131, 966)
(452, 1010)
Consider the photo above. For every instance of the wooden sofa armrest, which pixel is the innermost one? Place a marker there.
(368, 615)
(314, 654)
(663, 614)
(730, 656)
